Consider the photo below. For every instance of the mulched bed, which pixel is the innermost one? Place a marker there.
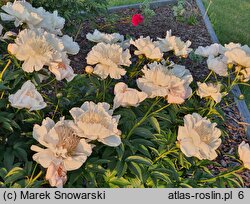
(157, 26)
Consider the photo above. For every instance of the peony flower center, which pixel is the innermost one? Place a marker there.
(92, 117)
(204, 132)
(30, 94)
(61, 171)
(40, 47)
(61, 65)
(68, 139)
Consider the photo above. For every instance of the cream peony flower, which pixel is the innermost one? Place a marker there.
(218, 65)
(160, 80)
(178, 91)
(70, 46)
(21, 12)
(109, 60)
(209, 90)
(244, 153)
(239, 56)
(183, 73)
(174, 43)
(97, 123)
(232, 45)
(27, 97)
(99, 37)
(213, 50)
(35, 48)
(51, 21)
(245, 74)
(146, 47)
(61, 68)
(199, 137)
(56, 175)
(125, 96)
(65, 148)
(7, 34)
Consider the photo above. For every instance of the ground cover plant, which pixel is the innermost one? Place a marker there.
(136, 117)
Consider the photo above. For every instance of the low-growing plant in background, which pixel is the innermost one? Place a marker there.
(132, 119)
(184, 12)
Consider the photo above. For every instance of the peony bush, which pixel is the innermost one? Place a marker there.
(135, 117)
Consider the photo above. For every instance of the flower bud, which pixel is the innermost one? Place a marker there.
(230, 65)
(140, 56)
(10, 48)
(59, 95)
(89, 69)
(241, 97)
(178, 144)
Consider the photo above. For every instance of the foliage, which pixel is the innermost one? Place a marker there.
(184, 12)
(146, 10)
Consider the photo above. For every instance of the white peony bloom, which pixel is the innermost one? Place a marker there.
(51, 21)
(159, 80)
(179, 93)
(245, 74)
(56, 175)
(7, 35)
(183, 73)
(99, 37)
(27, 97)
(97, 123)
(244, 153)
(174, 43)
(61, 68)
(214, 50)
(125, 96)
(232, 45)
(21, 12)
(239, 56)
(70, 46)
(35, 48)
(156, 80)
(209, 90)
(109, 60)
(218, 65)
(199, 137)
(64, 147)
(146, 47)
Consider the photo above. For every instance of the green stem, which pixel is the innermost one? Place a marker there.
(48, 82)
(5, 68)
(211, 72)
(164, 154)
(222, 175)
(104, 90)
(31, 178)
(143, 119)
(57, 106)
(160, 109)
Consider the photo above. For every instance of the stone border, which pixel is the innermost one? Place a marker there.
(135, 6)
(241, 104)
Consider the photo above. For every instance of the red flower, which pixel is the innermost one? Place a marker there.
(137, 19)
